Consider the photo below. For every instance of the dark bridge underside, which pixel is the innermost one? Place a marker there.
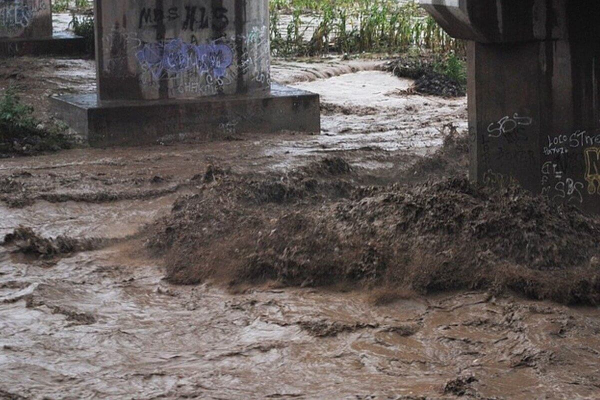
(502, 21)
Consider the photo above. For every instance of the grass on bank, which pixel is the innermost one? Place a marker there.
(66, 5)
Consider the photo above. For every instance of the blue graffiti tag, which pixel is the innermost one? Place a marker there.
(175, 56)
(14, 15)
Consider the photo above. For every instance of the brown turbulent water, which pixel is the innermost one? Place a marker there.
(103, 324)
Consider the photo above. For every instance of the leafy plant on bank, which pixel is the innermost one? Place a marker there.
(23, 134)
(453, 67)
(83, 25)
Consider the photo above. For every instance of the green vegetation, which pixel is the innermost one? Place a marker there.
(23, 134)
(436, 74)
(316, 27)
(66, 5)
(83, 25)
(452, 67)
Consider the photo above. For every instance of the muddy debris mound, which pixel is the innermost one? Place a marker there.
(9, 185)
(460, 386)
(28, 242)
(332, 108)
(428, 79)
(25, 197)
(10, 396)
(410, 66)
(324, 328)
(451, 160)
(437, 84)
(211, 174)
(451, 235)
(328, 166)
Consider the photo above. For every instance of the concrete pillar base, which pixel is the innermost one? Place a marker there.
(534, 118)
(60, 45)
(135, 122)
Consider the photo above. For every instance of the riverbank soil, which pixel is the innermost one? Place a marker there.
(289, 266)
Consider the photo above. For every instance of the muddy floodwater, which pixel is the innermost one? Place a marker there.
(104, 324)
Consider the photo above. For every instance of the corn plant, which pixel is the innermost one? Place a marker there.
(354, 26)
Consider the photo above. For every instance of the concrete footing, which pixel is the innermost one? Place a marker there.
(133, 122)
(59, 45)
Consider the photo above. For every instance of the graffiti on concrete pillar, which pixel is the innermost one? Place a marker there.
(204, 68)
(186, 48)
(498, 180)
(16, 15)
(256, 56)
(563, 144)
(175, 56)
(507, 125)
(571, 161)
(592, 169)
(557, 186)
(190, 17)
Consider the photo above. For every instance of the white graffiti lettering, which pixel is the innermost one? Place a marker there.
(16, 15)
(561, 144)
(557, 187)
(508, 125)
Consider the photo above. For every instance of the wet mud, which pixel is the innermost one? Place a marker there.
(319, 226)
(102, 322)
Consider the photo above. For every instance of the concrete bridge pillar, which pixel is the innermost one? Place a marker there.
(534, 111)
(26, 29)
(179, 68)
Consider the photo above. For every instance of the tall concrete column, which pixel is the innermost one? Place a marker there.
(26, 29)
(180, 68)
(182, 49)
(533, 70)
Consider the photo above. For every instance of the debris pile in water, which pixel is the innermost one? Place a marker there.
(28, 242)
(428, 80)
(439, 85)
(309, 229)
(451, 160)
